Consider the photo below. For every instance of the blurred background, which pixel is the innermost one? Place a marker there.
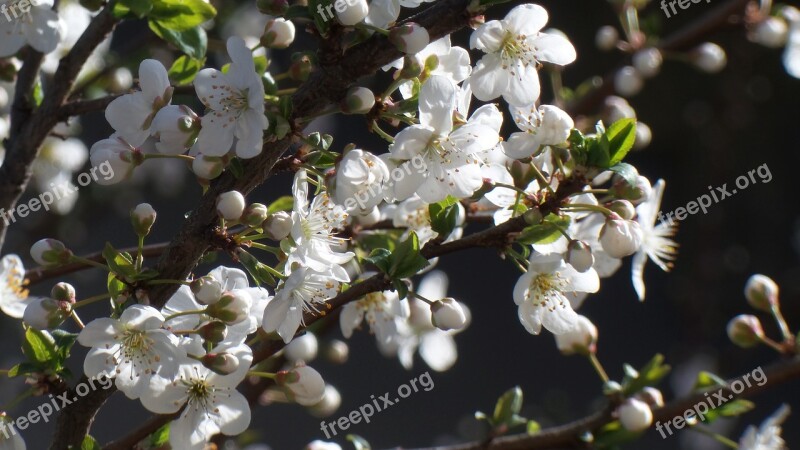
(707, 130)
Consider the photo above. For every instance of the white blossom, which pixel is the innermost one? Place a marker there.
(39, 26)
(132, 114)
(304, 290)
(656, 239)
(14, 296)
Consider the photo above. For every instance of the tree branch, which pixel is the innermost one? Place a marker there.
(43, 273)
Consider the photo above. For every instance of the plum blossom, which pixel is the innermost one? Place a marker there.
(768, 435)
(132, 115)
(449, 155)
(541, 293)
(545, 125)
(515, 47)
(39, 26)
(657, 243)
(451, 62)
(380, 310)
(235, 105)
(13, 291)
(134, 348)
(213, 405)
(413, 214)
(359, 179)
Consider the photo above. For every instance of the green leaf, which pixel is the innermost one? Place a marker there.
(620, 137)
(358, 442)
(736, 408)
(546, 232)
(184, 69)
(140, 8)
(285, 203)
(261, 63)
(380, 258)
(236, 168)
(401, 287)
(39, 347)
(627, 172)
(507, 407)
(285, 106)
(89, 443)
(160, 437)
(612, 435)
(406, 260)
(649, 375)
(181, 15)
(192, 42)
(64, 341)
(707, 380)
(119, 263)
(115, 286)
(444, 216)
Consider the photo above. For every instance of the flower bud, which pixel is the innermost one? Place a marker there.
(278, 225)
(635, 415)
(648, 61)
(619, 237)
(337, 351)
(447, 314)
(304, 385)
(772, 32)
(142, 218)
(412, 67)
(359, 100)
(709, 58)
(331, 400)
(120, 81)
(255, 215)
(207, 290)
(63, 292)
(46, 313)
(301, 68)
(232, 308)
(302, 348)
(606, 38)
(354, 12)
(636, 194)
(273, 7)
(409, 38)
(532, 216)
(322, 445)
(213, 332)
(118, 155)
(175, 129)
(278, 33)
(50, 251)
(582, 339)
(761, 292)
(579, 256)
(230, 205)
(616, 108)
(628, 81)
(651, 396)
(643, 136)
(623, 208)
(221, 363)
(207, 167)
(745, 330)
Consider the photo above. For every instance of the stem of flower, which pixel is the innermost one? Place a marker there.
(717, 437)
(185, 282)
(585, 207)
(772, 344)
(420, 297)
(162, 156)
(542, 180)
(268, 375)
(377, 130)
(74, 315)
(89, 262)
(288, 91)
(90, 300)
(185, 313)
(514, 188)
(139, 256)
(598, 367)
(274, 250)
(785, 331)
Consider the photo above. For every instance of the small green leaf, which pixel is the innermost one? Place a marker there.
(285, 203)
(140, 8)
(707, 380)
(380, 258)
(192, 42)
(285, 106)
(736, 408)
(39, 347)
(649, 375)
(406, 260)
(184, 69)
(508, 406)
(115, 286)
(181, 15)
(64, 341)
(119, 263)
(627, 172)
(160, 437)
(444, 216)
(546, 232)
(89, 443)
(620, 137)
(533, 427)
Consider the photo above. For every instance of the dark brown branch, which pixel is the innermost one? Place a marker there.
(43, 273)
(567, 436)
(146, 429)
(80, 107)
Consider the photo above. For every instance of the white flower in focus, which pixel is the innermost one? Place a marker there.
(39, 27)
(515, 47)
(448, 156)
(359, 179)
(657, 243)
(313, 228)
(545, 125)
(213, 405)
(541, 293)
(132, 115)
(134, 349)
(452, 62)
(13, 287)
(768, 435)
(304, 290)
(235, 105)
(118, 154)
(380, 309)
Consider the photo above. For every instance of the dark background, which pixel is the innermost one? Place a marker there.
(708, 130)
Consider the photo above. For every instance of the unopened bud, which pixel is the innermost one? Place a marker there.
(63, 292)
(359, 100)
(354, 12)
(582, 339)
(606, 38)
(221, 363)
(207, 167)
(331, 400)
(278, 33)
(213, 332)
(302, 348)
(207, 290)
(651, 396)
(255, 215)
(745, 330)
(46, 313)
(635, 194)
(50, 252)
(619, 237)
(447, 314)
(772, 32)
(761, 292)
(411, 67)
(628, 81)
(635, 415)
(232, 308)
(623, 208)
(709, 57)
(301, 68)
(304, 385)
(648, 61)
(230, 205)
(337, 351)
(142, 218)
(278, 225)
(579, 256)
(409, 38)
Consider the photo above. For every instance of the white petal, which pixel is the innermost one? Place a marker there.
(526, 19)
(142, 317)
(562, 319)
(637, 273)
(436, 102)
(489, 80)
(44, 32)
(411, 141)
(153, 79)
(250, 132)
(100, 361)
(11, 38)
(555, 49)
(164, 399)
(127, 115)
(350, 318)
(234, 413)
(438, 350)
(99, 333)
(523, 84)
(216, 136)
(488, 37)
(289, 327)
(530, 317)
